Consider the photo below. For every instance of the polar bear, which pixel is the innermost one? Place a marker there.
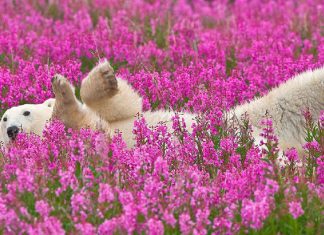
(110, 103)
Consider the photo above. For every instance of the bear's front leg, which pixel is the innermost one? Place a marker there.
(67, 108)
(70, 111)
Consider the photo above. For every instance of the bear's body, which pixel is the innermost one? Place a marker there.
(111, 104)
(286, 104)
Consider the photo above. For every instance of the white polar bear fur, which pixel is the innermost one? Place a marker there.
(286, 104)
(112, 107)
(34, 123)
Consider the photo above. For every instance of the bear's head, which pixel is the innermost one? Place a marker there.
(27, 118)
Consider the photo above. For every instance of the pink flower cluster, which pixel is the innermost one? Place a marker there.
(200, 56)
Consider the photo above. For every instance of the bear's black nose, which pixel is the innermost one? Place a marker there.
(12, 132)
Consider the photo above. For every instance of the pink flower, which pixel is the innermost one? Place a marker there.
(295, 209)
(169, 218)
(43, 208)
(106, 194)
(312, 146)
(228, 145)
(254, 213)
(49, 226)
(155, 227)
(85, 228)
(292, 154)
(25, 180)
(161, 167)
(101, 145)
(79, 203)
(186, 225)
(320, 170)
(108, 227)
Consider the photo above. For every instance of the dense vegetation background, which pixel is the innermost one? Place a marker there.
(199, 56)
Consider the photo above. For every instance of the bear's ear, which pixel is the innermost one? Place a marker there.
(49, 103)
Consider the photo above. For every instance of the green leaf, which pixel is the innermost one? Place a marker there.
(29, 201)
(155, 104)
(78, 92)
(78, 171)
(88, 63)
(230, 61)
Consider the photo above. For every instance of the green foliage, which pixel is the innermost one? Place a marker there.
(94, 15)
(54, 12)
(217, 138)
(245, 140)
(62, 208)
(155, 104)
(161, 34)
(168, 230)
(231, 61)
(23, 101)
(2, 59)
(181, 103)
(2, 111)
(88, 63)
(78, 92)
(117, 64)
(116, 210)
(95, 173)
(29, 200)
(313, 133)
(78, 173)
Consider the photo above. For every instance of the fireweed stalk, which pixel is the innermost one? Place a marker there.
(198, 56)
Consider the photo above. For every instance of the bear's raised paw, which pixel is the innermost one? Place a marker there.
(106, 76)
(63, 90)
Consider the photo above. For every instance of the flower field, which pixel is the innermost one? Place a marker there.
(197, 56)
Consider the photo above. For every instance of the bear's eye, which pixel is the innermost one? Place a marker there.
(5, 119)
(26, 113)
